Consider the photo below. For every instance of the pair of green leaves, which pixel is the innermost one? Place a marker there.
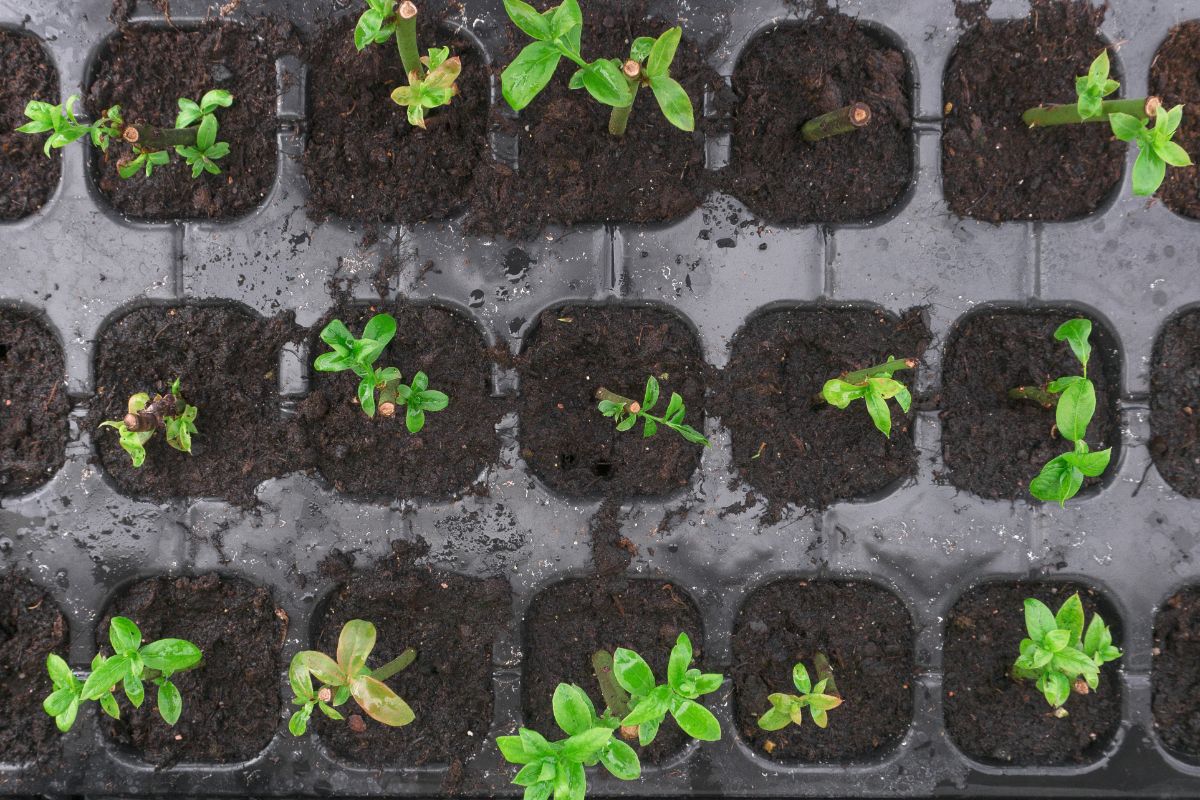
(654, 57)
(789, 708)
(131, 663)
(179, 428)
(672, 418)
(1091, 89)
(435, 89)
(64, 128)
(376, 25)
(1058, 651)
(203, 155)
(649, 702)
(874, 386)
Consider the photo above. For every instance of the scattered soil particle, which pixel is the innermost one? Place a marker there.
(31, 627)
(33, 403)
(27, 177)
(1174, 78)
(1175, 403)
(1175, 677)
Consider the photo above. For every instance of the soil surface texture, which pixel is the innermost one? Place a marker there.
(27, 176)
(33, 403)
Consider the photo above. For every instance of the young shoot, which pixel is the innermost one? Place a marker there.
(1059, 655)
(819, 699)
(347, 677)
(649, 65)
(144, 417)
(131, 665)
(1129, 120)
(874, 386)
(627, 412)
(431, 78)
(843, 120)
(1073, 399)
(359, 356)
(194, 136)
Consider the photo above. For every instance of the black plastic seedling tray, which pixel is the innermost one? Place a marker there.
(79, 265)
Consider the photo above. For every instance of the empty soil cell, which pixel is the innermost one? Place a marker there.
(145, 70)
(227, 360)
(1175, 677)
(576, 350)
(867, 635)
(998, 720)
(1174, 78)
(571, 169)
(1175, 403)
(568, 622)
(796, 72)
(33, 402)
(31, 627)
(452, 621)
(231, 701)
(994, 446)
(27, 176)
(789, 444)
(363, 160)
(996, 168)
(455, 445)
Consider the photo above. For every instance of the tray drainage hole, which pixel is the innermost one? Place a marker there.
(566, 461)
(3, 352)
(602, 469)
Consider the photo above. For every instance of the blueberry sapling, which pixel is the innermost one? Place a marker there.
(144, 417)
(131, 665)
(1059, 655)
(874, 386)
(347, 677)
(819, 699)
(627, 412)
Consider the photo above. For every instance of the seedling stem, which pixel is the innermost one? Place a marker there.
(627, 405)
(887, 368)
(619, 118)
(1068, 113)
(406, 39)
(395, 666)
(843, 120)
(615, 698)
(1035, 393)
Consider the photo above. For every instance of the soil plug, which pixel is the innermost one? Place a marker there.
(843, 120)
(819, 699)
(1059, 655)
(144, 417)
(131, 665)
(875, 386)
(348, 677)
(627, 412)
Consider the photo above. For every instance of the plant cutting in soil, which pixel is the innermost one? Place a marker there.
(144, 417)
(33, 629)
(627, 412)
(1173, 676)
(1175, 403)
(33, 402)
(1173, 79)
(26, 178)
(787, 709)
(874, 386)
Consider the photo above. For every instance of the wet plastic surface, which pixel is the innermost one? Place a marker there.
(1135, 538)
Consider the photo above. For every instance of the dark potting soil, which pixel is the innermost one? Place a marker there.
(1174, 78)
(451, 621)
(31, 627)
(574, 351)
(568, 622)
(1175, 677)
(571, 170)
(864, 631)
(1175, 403)
(231, 701)
(227, 360)
(146, 70)
(363, 160)
(797, 450)
(27, 177)
(794, 73)
(994, 446)
(378, 458)
(33, 403)
(994, 166)
(998, 720)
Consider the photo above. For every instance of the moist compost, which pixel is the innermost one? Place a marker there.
(31, 627)
(998, 720)
(227, 360)
(996, 168)
(994, 446)
(864, 631)
(451, 621)
(146, 70)
(795, 449)
(1175, 403)
(1175, 677)
(378, 458)
(33, 403)
(796, 72)
(27, 176)
(364, 161)
(231, 701)
(1174, 78)
(571, 170)
(568, 622)
(574, 351)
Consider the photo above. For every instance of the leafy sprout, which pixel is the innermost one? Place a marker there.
(131, 665)
(819, 699)
(1091, 89)
(650, 702)
(649, 65)
(64, 128)
(874, 386)
(627, 412)
(144, 417)
(1155, 148)
(433, 90)
(203, 154)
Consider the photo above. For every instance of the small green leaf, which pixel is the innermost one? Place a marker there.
(170, 703)
(1038, 619)
(527, 18)
(1148, 172)
(1076, 333)
(573, 710)
(528, 74)
(681, 659)
(298, 724)
(170, 655)
(380, 703)
(606, 83)
(124, 635)
(1070, 618)
(674, 102)
(105, 677)
(355, 643)
(632, 672)
(651, 395)
(586, 745)
(697, 721)
(662, 53)
(1125, 126)
(621, 760)
(1075, 409)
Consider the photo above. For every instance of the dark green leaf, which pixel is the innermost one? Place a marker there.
(527, 18)
(170, 655)
(170, 703)
(674, 102)
(528, 74)
(662, 53)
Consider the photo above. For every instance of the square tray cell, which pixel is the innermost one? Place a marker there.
(27, 176)
(1175, 678)
(1174, 78)
(1175, 403)
(33, 422)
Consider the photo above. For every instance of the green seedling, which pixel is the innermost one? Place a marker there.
(431, 78)
(145, 416)
(627, 412)
(131, 665)
(1073, 399)
(194, 136)
(1059, 655)
(610, 81)
(819, 699)
(1129, 120)
(874, 386)
(347, 677)
(359, 356)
